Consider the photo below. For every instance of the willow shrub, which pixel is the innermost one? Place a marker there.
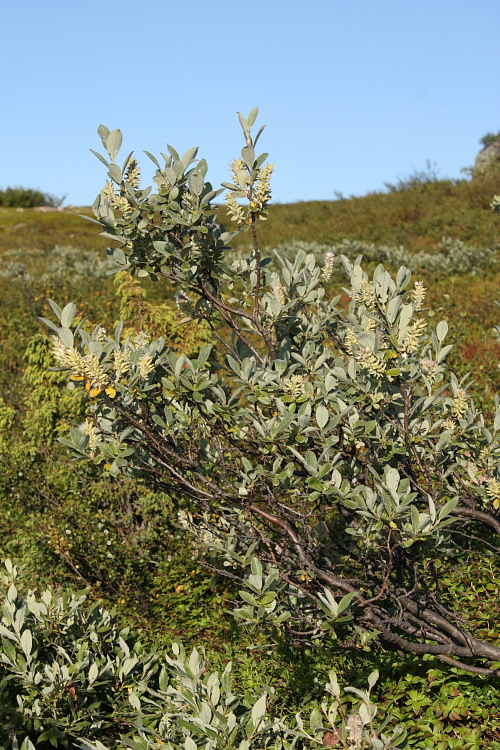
(329, 456)
(71, 676)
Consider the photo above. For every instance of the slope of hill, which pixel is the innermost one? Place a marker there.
(417, 216)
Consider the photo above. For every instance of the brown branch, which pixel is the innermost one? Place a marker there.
(468, 668)
(478, 515)
(385, 582)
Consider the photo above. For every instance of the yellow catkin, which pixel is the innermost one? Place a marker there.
(371, 362)
(235, 210)
(493, 491)
(418, 295)
(429, 367)
(68, 356)
(413, 336)
(146, 365)
(262, 193)
(295, 386)
(93, 435)
(328, 267)
(94, 372)
(140, 340)
(350, 342)
(365, 295)
(459, 406)
(281, 294)
(121, 364)
(133, 174)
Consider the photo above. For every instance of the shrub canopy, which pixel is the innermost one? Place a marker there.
(330, 458)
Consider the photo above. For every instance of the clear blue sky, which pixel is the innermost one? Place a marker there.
(354, 93)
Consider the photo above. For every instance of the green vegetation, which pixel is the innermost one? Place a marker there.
(489, 138)
(21, 197)
(95, 669)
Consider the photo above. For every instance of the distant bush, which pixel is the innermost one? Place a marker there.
(451, 257)
(489, 138)
(22, 197)
(75, 263)
(415, 179)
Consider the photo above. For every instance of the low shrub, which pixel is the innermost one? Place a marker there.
(451, 257)
(71, 677)
(22, 197)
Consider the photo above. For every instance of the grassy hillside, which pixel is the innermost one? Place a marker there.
(417, 217)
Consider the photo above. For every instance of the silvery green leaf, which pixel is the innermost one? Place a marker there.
(243, 121)
(115, 173)
(55, 307)
(49, 324)
(404, 318)
(333, 685)
(113, 143)
(256, 566)
(134, 701)
(261, 130)
(195, 182)
(442, 330)
(103, 132)
(68, 314)
(443, 352)
(172, 151)
(252, 117)
(392, 479)
(189, 156)
(373, 678)
(315, 720)
(66, 336)
(93, 673)
(104, 161)
(248, 155)
(153, 159)
(364, 714)
(128, 665)
(321, 416)
(259, 710)
(26, 642)
(432, 508)
(393, 308)
(345, 602)
(448, 508)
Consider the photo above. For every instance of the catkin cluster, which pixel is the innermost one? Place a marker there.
(328, 267)
(365, 295)
(493, 491)
(133, 174)
(413, 335)
(418, 295)
(117, 201)
(262, 193)
(295, 386)
(235, 210)
(370, 362)
(459, 406)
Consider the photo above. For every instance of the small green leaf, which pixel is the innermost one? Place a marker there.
(442, 330)
(113, 143)
(259, 710)
(321, 416)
